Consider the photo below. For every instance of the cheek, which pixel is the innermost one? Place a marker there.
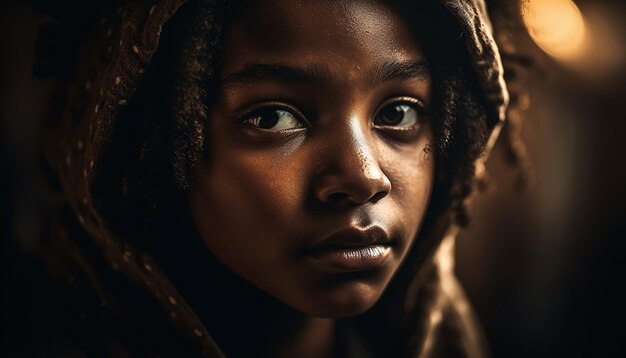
(247, 196)
(412, 184)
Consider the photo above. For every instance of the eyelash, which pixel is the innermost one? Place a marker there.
(414, 103)
(241, 119)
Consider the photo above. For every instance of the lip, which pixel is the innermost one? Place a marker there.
(352, 250)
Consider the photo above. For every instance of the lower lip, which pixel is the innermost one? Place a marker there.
(353, 259)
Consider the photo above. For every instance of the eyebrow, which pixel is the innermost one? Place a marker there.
(397, 70)
(385, 72)
(260, 72)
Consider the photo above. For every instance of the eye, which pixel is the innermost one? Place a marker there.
(273, 119)
(397, 115)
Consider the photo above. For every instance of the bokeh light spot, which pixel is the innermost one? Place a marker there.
(557, 27)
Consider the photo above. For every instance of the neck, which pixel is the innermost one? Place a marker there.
(245, 321)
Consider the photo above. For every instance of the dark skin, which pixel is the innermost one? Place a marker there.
(320, 127)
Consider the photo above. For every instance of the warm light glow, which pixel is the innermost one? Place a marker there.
(556, 26)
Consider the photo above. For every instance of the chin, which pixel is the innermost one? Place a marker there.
(350, 299)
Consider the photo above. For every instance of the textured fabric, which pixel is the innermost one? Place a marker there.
(109, 72)
(474, 20)
(131, 292)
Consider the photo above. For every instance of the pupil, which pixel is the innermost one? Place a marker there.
(269, 119)
(392, 115)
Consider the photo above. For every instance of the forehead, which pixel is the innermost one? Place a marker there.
(352, 32)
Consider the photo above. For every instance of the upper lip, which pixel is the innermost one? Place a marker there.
(354, 237)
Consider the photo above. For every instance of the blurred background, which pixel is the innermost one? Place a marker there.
(544, 267)
(543, 259)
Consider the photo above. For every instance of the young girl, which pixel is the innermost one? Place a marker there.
(272, 178)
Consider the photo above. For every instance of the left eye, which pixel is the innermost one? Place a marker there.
(399, 115)
(273, 119)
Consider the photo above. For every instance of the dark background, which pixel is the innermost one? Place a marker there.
(543, 266)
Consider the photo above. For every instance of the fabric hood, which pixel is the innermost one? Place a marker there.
(128, 39)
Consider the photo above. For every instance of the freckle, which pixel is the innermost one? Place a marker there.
(172, 300)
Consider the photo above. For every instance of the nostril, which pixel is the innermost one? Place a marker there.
(339, 197)
(336, 198)
(378, 196)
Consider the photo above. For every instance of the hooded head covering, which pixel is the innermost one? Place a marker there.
(125, 280)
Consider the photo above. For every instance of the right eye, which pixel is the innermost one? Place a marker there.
(273, 119)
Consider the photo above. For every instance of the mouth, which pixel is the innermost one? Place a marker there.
(353, 250)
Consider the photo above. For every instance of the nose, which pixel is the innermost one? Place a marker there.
(352, 174)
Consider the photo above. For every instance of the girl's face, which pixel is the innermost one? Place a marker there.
(320, 170)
